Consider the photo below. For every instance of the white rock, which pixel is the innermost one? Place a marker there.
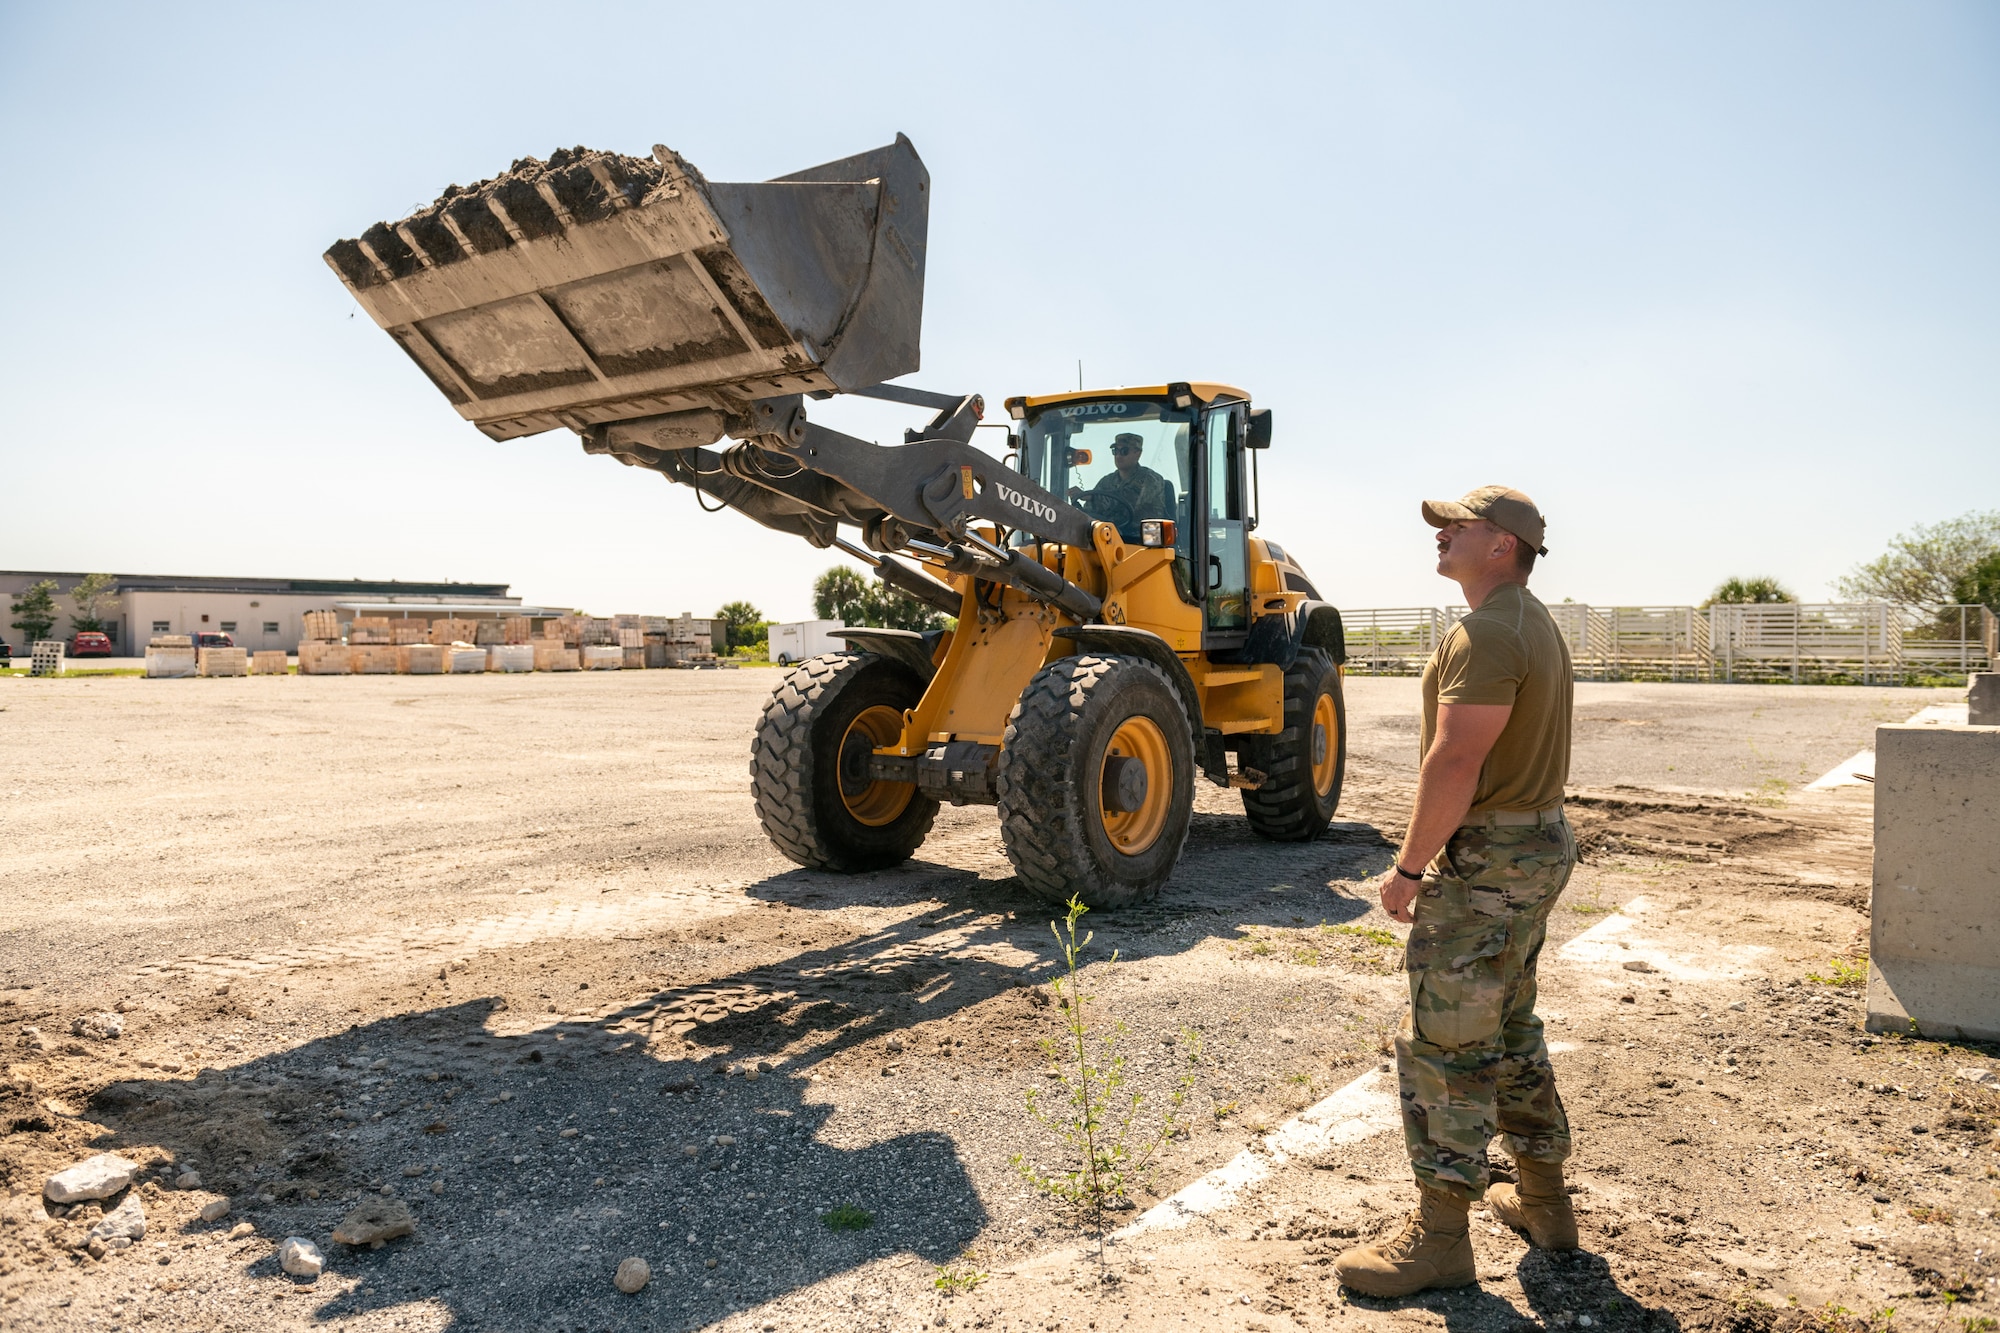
(98, 1177)
(300, 1257)
(104, 1027)
(240, 1230)
(214, 1210)
(1983, 1076)
(128, 1220)
(632, 1275)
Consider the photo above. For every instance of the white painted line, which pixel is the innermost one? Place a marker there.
(1614, 942)
(1360, 1110)
(1860, 770)
(1855, 772)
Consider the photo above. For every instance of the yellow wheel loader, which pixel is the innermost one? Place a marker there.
(1121, 628)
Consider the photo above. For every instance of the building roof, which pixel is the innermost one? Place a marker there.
(300, 587)
(507, 608)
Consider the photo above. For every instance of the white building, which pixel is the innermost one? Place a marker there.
(256, 613)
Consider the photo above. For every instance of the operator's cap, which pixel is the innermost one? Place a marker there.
(1502, 506)
(1133, 438)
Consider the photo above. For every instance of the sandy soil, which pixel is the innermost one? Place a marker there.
(513, 950)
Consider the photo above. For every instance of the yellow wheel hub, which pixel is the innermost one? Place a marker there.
(871, 802)
(1325, 744)
(1132, 804)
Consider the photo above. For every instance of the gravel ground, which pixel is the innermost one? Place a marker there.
(514, 950)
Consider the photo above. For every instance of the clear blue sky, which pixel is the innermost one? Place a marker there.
(1717, 283)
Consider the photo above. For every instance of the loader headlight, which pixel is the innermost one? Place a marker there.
(1156, 532)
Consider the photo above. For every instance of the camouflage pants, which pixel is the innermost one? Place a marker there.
(1470, 1057)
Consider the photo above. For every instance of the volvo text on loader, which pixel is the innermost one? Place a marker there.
(1122, 629)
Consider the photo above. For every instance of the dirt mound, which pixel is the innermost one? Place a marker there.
(530, 200)
(1699, 831)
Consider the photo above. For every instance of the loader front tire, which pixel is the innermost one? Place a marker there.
(1304, 764)
(1096, 781)
(809, 765)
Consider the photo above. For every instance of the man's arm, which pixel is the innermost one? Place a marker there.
(1445, 786)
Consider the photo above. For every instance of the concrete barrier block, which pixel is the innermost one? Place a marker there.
(1982, 699)
(1934, 930)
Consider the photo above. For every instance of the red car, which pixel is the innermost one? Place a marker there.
(90, 643)
(206, 640)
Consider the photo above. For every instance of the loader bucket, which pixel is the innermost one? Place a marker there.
(595, 287)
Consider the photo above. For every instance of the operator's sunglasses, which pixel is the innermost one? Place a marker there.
(1125, 448)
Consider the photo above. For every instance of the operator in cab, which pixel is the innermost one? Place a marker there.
(1139, 488)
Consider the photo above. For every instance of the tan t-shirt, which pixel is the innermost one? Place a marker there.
(1509, 651)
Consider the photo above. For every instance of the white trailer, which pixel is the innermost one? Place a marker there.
(796, 640)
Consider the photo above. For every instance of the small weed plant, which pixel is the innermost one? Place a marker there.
(1375, 935)
(1844, 973)
(1109, 1130)
(956, 1280)
(847, 1217)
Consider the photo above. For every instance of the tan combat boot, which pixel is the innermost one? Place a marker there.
(1538, 1206)
(1434, 1249)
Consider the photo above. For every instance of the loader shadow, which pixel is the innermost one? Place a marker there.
(553, 1158)
(559, 1146)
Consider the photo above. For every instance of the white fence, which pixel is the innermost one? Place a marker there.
(1858, 642)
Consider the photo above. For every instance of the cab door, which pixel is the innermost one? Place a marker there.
(1225, 534)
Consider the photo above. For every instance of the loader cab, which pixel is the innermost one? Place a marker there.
(1176, 452)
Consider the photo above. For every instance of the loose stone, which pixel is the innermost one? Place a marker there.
(214, 1210)
(127, 1221)
(375, 1221)
(97, 1177)
(300, 1257)
(632, 1274)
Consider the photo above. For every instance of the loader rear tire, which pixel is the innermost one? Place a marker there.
(822, 813)
(1096, 781)
(1304, 764)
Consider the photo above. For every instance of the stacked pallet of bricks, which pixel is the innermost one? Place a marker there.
(223, 662)
(380, 645)
(420, 659)
(271, 663)
(321, 653)
(509, 657)
(169, 656)
(556, 655)
(676, 643)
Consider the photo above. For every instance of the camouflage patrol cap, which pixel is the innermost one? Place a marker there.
(1502, 506)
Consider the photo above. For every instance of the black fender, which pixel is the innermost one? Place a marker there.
(1142, 643)
(1319, 626)
(912, 649)
(1280, 639)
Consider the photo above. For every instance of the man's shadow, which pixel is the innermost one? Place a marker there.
(1563, 1289)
